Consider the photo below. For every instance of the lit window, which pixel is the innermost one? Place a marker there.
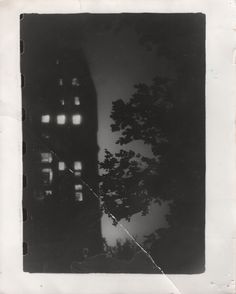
(77, 165)
(61, 119)
(62, 102)
(76, 100)
(45, 118)
(78, 187)
(77, 173)
(48, 192)
(78, 196)
(76, 119)
(47, 175)
(61, 165)
(46, 157)
(75, 82)
(60, 82)
(57, 61)
(46, 136)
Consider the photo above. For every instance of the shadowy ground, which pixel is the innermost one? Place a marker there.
(104, 263)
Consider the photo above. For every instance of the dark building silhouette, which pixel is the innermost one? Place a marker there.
(60, 136)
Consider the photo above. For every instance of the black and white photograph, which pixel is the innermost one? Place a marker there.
(113, 115)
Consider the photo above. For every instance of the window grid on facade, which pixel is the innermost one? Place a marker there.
(45, 118)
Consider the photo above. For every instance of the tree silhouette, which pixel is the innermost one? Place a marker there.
(175, 172)
(169, 116)
(129, 182)
(124, 250)
(123, 257)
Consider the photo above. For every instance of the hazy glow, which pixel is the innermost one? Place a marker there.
(45, 118)
(115, 77)
(139, 225)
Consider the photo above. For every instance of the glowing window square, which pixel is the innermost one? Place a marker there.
(48, 192)
(47, 175)
(78, 187)
(61, 119)
(77, 100)
(79, 196)
(61, 165)
(77, 173)
(75, 82)
(62, 102)
(46, 157)
(76, 119)
(45, 118)
(77, 165)
(60, 82)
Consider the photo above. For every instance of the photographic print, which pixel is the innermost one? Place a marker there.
(113, 143)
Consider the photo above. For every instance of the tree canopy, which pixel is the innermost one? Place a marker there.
(129, 181)
(169, 116)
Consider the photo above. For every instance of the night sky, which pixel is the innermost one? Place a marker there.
(117, 62)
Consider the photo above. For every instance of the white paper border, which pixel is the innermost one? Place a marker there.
(220, 155)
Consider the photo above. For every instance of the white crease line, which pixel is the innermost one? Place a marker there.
(121, 226)
(128, 233)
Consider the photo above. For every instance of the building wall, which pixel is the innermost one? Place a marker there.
(60, 132)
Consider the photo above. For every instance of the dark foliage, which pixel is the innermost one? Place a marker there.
(129, 182)
(169, 116)
(123, 250)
